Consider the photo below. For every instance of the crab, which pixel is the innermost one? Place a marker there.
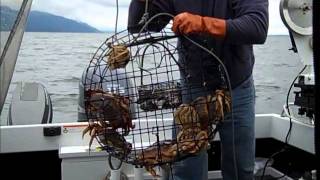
(192, 140)
(209, 109)
(112, 108)
(186, 115)
(189, 141)
(223, 104)
(108, 137)
(118, 56)
(204, 106)
(159, 153)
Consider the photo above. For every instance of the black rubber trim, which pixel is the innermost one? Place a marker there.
(47, 114)
(316, 50)
(44, 165)
(111, 165)
(9, 123)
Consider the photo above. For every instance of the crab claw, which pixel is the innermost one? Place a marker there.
(85, 131)
(151, 170)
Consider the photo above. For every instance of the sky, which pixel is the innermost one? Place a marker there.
(101, 14)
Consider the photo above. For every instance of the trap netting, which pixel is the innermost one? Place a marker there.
(144, 105)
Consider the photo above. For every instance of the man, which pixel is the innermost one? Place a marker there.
(228, 28)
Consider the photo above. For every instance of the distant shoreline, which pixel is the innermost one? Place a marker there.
(66, 32)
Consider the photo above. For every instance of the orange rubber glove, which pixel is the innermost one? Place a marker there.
(186, 23)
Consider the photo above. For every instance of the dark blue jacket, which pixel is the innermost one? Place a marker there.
(247, 24)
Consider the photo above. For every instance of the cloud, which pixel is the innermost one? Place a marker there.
(13, 4)
(112, 3)
(97, 13)
(101, 13)
(276, 25)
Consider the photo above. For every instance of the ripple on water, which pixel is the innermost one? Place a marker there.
(58, 60)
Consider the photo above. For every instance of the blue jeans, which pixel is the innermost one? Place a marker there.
(243, 103)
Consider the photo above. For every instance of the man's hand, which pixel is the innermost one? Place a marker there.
(187, 23)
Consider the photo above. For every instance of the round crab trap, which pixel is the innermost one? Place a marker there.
(146, 105)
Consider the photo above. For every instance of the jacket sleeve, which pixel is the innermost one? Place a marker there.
(250, 22)
(137, 9)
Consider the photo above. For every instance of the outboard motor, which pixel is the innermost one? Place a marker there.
(31, 104)
(123, 87)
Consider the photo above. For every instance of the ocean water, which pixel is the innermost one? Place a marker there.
(57, 60)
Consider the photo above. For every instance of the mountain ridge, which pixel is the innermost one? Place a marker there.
(39, 21)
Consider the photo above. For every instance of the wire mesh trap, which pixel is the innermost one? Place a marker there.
(135, 86)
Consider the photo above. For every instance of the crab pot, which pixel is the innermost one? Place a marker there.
(148, 106)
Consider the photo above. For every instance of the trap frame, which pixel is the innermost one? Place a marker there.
(136, 83)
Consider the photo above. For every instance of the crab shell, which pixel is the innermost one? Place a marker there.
(212, 109)
(153, 155)
(189, 141)
(112, 108)
(118, 57)
(205, 107)
(223, 104)
(108, 137)
(115, 143)
(186, 115)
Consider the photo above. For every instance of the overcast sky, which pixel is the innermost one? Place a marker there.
(101, 13)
